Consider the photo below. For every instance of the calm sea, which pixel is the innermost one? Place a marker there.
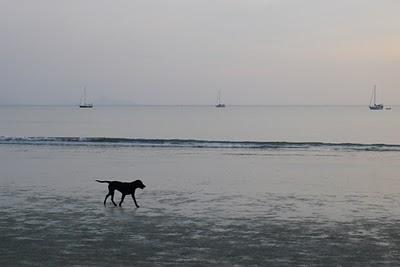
(242, 185)
(345, 124)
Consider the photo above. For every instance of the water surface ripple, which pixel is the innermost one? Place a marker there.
(185, 228)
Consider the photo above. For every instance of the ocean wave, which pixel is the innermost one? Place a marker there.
(192, 143)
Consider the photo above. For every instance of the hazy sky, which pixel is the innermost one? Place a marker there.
(184, 51)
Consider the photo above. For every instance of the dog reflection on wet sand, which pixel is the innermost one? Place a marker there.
(124, 188)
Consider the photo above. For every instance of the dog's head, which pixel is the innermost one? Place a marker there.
(139, 184)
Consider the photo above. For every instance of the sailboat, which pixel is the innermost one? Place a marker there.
(374, 106)
(219, 104)
(83, 103)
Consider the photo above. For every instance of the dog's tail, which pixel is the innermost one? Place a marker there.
(103, 181)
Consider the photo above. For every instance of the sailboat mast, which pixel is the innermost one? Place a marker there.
(84, 95)
(374, 95)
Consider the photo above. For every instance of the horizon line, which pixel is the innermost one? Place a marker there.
(185, 105)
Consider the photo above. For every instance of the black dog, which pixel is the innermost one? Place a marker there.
(124, 188)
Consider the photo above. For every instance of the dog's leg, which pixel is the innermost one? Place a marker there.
(109, 194)
(112, 199)
(134, 200)
(122, 199)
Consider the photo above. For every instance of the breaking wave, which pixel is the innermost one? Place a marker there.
(191, 143)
